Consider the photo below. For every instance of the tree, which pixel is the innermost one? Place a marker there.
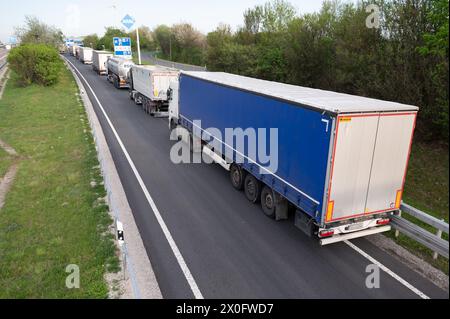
(163, 35)
(107, 40)
(276, 15)
(146, 39)
(92, 41)
(38, 32)
(253, 19)
(35, 63)
(188, 44)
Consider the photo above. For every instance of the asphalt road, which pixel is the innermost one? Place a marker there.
(3, 55)
(185, 67)
(230, 247)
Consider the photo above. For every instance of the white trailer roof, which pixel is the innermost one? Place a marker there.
(154, 67)
(320, 99)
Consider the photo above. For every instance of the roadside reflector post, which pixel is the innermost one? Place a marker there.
(438, 234)
(397, 233)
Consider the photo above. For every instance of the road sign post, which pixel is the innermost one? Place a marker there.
(128, 21)
(138, 46)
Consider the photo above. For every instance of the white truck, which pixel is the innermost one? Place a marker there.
(73, 50)
(99, 59)
(77, 52)
(118, 70)
(86, 55)
(149, 85)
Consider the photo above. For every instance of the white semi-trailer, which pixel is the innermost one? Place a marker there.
(149, 85)
(73, 50)
(118, 70)
(99, 59)
(77, 52)
(86, 55)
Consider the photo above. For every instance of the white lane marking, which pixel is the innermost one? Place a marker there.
(388, 271)
(185, 269)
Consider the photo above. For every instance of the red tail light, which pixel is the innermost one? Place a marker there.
(383, 221)
(326, 233)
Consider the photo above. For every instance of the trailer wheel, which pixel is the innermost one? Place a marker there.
(237, 177)
(152, 110)
(252, 188)
(268, 202)
(172, 125)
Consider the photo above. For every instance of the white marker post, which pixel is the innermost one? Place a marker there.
(128, 21)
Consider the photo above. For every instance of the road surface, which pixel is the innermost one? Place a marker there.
(3, 56)
(229, 247)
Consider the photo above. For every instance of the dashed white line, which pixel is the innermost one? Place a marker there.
(388, 271)
(179, 257)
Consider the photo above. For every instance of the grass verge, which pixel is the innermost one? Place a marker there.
(52, 216)
(427, 189)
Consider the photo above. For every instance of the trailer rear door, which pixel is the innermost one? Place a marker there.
(352, 159)
(369, 161)
(390, 161)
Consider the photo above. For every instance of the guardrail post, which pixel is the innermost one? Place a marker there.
(438, 234)
(397, 232)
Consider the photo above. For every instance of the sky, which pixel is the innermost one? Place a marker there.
(83, 17)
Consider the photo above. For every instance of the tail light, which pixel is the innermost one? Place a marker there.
(383, 221)
(398, 199)
(326, 233)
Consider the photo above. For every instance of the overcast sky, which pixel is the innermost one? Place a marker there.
(82, 17)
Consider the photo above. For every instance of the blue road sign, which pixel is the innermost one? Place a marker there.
(122, 47)
(128, 21)
(12, 40)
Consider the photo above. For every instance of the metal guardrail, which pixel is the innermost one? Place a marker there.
(423, 236)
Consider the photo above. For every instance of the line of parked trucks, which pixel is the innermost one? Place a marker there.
(342, 159)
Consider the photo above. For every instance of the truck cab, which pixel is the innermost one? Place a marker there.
(172, 95)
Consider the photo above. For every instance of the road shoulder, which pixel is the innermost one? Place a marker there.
(137, 279)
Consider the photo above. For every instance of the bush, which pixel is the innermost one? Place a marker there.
(35, 63)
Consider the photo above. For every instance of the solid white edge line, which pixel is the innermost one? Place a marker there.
(181, 262)
(387, 270)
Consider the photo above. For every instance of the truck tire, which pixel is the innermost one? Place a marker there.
(172, 125)
(268, 202)
(252, 189)
(237, 176)
(116, 83)
(152, 110)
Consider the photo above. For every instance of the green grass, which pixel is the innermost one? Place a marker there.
(427, 189)
(5, 162)
(50, 219)
(427, 179)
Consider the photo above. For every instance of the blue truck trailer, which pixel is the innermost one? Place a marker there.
(341, 160)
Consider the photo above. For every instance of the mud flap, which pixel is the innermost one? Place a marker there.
(281, 210)
(304, 223)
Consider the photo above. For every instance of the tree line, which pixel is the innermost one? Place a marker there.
(404, 59)
(394, 50)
